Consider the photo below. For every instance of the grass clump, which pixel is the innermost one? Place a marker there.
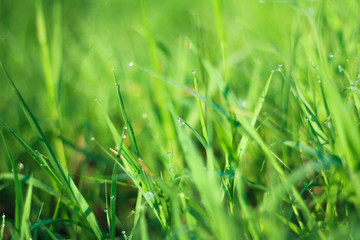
(227, 120)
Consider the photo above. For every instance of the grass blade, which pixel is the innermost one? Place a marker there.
(18, 188)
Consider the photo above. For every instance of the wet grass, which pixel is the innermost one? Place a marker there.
(179, 120)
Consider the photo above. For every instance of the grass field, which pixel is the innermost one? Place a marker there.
(153, 119)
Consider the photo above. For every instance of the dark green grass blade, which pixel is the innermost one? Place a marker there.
(45, 222)
(37, 184)
(18, 188)
(37, 220)
(35, 154)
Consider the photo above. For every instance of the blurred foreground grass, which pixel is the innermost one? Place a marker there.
(179, 119)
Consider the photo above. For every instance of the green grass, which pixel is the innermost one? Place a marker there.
(211, 120)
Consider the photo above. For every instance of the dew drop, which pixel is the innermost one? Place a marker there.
(193, 72)
(140, 159)
(117, 86)
(170, 169)
(20, 166)
(306, 119)
(340, 69)
(95, 99)
(169, 154)
(130, 64)
(144, 115)
(331, 56)
(261, 1)
(181, 122)
(3, 225)
(113, 198)
(125, 128)
(106, 210)
(279, 69)
(124, 234)
(92, 138)
(124, 136)
(149, 196)
(112, 69)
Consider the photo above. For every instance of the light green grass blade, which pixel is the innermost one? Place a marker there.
(244, 140)
(143, 226)
(25, 220)
(127, 120)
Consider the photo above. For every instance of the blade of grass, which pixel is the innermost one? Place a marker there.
(113, 200)
(37, 220)
(127, 120)
(25, 220)
(18, 188)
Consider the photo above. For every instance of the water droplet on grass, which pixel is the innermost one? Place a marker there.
(124, 136)
(140, 159)
(306, 119)
(20, 166)
(261, 1)
(112, 69)
(340, 69)
(144, 115)
(169, 154)
(92, 138)
(130, 64)
(181, 122)
(149, 196)
(125, 128)
(193, 72)
(279, 69)
(113, 198)
(331, 56)
(106, 210)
